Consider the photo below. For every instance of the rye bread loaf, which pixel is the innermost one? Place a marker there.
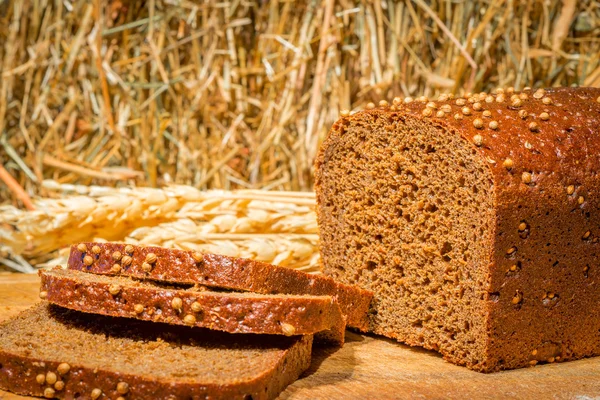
(224, 311)
(54, 352)
(473, 219)
(180, 266)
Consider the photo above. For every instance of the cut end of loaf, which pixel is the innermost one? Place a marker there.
(404, 210)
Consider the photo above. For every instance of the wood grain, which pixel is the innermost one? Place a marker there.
(370, 367)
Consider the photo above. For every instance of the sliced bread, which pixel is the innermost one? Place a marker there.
(58, 353)
(180, 266)
(224, 311)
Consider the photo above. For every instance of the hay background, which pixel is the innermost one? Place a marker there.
(238, 94)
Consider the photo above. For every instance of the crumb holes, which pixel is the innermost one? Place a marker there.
(446, 248)
(417, 324)
(431, 208)
(555, 263)
(495, 296)
(371, 265)
(461, 181)
(430, 149)
(379, 238)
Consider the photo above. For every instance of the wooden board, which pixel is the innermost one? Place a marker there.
(369, 367)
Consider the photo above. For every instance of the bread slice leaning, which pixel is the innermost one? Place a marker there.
(180, 266)
(58, 353)
(224, 311)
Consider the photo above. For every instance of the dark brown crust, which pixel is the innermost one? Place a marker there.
(223, 311)
(18, 375)
(553, 255)
(221, 271)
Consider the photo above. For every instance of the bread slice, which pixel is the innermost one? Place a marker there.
(180, 266)
(473, 219)
(54, 352)
(224, 311)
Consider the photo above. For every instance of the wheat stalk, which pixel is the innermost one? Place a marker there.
(276, 227)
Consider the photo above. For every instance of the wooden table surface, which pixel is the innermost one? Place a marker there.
(369, 367)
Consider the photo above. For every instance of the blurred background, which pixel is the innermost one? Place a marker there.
(97, 98)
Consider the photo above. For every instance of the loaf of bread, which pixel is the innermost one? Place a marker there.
(474, 220)
(219, 271)
(57, 353)
(275, 314)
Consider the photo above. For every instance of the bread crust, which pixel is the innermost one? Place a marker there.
(223, 311)
(542, 150)
(214, 270)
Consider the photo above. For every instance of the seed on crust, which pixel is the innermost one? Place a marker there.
(517, 102)
(517, 298)
(460, 102)
(96, 393)
(128, 249)
(41, 379)
(522, 226)
(478, 140)
(440, 114)
(126, 261)
(196, 307)
(523, 114)
(197, 256)
(115, 269)
(59, 385)
(458, 116)
(570, 189)
(82, 248)
(151, 258)
(580, 200)
(43, 294)
(547, 101)
(466, 111)
(88, 260)
(63, 368)
(478, 123)
(96, 249)
(383, 103)
(344, 113)
(539, 94)
(51, 378)
(586, 235)
(117, 255)
(138, 308)
(544, 116)
(487, 113)
(534, 127)
(146, 267)
(370, 106)
(493, 125)
(122, 387)
(427, 112)
(508, 163)
(114, 289)
(49, 393)
(288, 329)
(189, 319)
(526, 177)
(177, 303)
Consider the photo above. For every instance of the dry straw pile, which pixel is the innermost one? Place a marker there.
(238, 94)
(276, 227)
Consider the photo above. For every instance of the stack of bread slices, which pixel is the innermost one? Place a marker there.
(125, 321)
